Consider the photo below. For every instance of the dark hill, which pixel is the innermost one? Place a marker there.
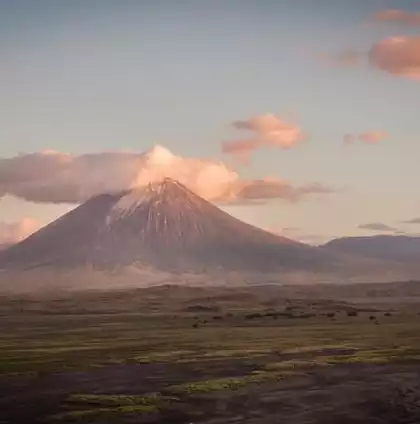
(404, 249)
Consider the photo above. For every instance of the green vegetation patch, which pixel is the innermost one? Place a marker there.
(102, 413)
(235, 383)
(188, 356)
(108, 406)
(162, 356)
(361, 357)
(119, 400)
(293, 364)
(378, 356)
(318, 349)
(366, 356)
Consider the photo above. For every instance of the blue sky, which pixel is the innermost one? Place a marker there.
(98, 75)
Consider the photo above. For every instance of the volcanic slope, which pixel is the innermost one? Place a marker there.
(162, 226)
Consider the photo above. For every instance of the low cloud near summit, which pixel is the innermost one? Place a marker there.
(54, 177)
(15, 232)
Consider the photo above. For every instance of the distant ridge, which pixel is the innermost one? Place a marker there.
(401, 248)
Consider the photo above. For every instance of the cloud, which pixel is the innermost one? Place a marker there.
(412, 221)
(11, 233)
(344, 59)
(377, 226)
(384, 228)
(241, 149)
(53, 177)
(299, 235)
(398, 16)
(372, 137)
(399, 56)
(266, 131)
(272, 188)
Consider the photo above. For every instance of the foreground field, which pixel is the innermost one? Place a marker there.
(179, 355)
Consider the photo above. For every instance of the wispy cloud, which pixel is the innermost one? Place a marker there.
(398, 16)
(266, 131)
(377, 226)
(54, 177)
(11, 233)
(412, 221)
(272, 188)
(371, 137)
(398, 56)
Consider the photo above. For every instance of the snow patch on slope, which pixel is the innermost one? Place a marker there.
(128, 204)
(134, 199)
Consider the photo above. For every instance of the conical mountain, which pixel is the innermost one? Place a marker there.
(162, 226)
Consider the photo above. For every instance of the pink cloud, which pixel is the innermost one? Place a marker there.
(271, 188)
(11, 233)
(398, 56)
(398, 16)
(372, 137)
(241, 149)
(266, 131)
(52, 177)
(239, 146)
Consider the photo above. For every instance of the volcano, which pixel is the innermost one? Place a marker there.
(165, 232)
(164, 226)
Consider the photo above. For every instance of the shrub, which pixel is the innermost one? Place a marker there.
(400, 407)
(253, 316)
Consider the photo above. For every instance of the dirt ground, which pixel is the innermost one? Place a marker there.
(344, 394)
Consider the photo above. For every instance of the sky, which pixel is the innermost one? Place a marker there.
(298, 116)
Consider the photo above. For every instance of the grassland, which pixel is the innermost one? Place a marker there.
(180, 355)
